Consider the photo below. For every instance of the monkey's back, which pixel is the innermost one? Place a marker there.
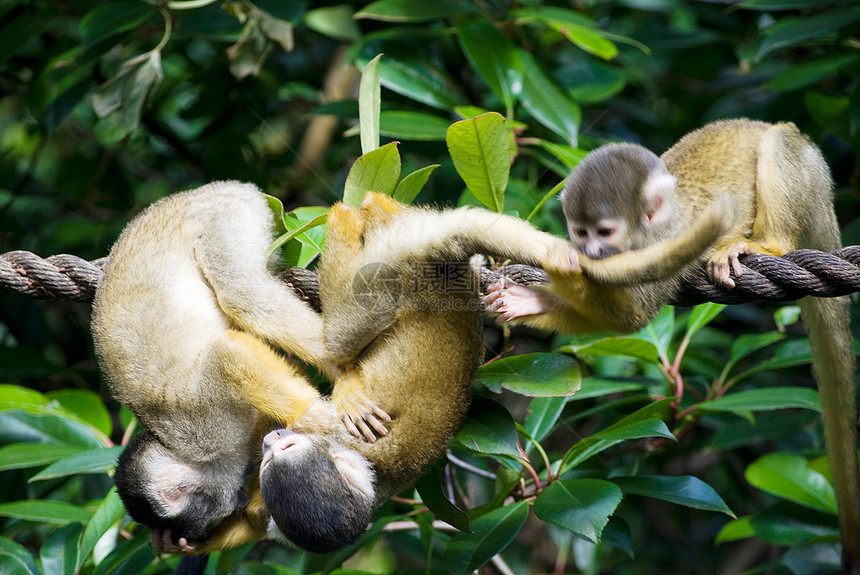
(426, 384)
(155, 310)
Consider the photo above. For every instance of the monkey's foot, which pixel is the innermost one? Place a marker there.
(359, 413)
(513, 301)
(725, 260)
(162, 542)
(562, 259)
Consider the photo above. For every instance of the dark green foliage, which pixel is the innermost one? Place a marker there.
(587, 458)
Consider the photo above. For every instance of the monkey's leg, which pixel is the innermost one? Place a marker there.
(266, 381)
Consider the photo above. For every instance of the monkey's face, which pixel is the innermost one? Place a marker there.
(319, 493)
(164, 493)
(601, 239)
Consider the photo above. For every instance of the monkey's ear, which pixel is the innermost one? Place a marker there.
(657, 191)
(356, 471)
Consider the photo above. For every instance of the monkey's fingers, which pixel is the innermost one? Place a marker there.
(377, 425)
(518, 301)
(366, 431)
(350, 426)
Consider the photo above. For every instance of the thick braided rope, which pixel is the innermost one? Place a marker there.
(765, 278)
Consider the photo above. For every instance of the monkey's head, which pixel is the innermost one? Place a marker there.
(164, 493)
(320, 493)
(615, 199)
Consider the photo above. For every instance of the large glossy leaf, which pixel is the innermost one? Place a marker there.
(804, 74)
(129, 557)
(23, 426)
(112, 18)
(793, 31)
(491, 534)
(489, 429)
(411, 184)
(15, 559)
(16, 32)
(791, 353)
(744, 403)
(594, 386)
(44, 511)
(494, 57)
(23, 455)
(481, 150)
(93, 461)
(413, 126)
(788, 476)
(547, 103)
(632, 347)
(542, 416)
(702, 315)
(429, 487)
(419, 79)
(411, 11)
(376, 171)
(683, 490)
(333, 21)
(107, 514)
(369, 103)
(580, 505)
(575, 26)
(88, 406)
(533, 375)
(59, 553)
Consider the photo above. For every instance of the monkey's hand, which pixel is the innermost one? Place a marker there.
(513, 300)
(359, 413)
(562, 259)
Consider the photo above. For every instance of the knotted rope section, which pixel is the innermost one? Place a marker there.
(765, 278)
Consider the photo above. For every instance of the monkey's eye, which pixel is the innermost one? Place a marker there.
(605, 232)
(581, 232)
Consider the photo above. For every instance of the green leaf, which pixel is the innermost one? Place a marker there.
(15, 559)
(130, 557)
(87, 405)
(15, 397)
(411, 11)
(412, 184)
(702, 315)
(107, 514)
(494, 57)
(429, 487)
(788, 476)
(419, 79)
(334, 21)
(683, 490)
(369, 103)
(589, 82)
(492, 533)
(735, 530)
(624, 346)
(574, 26)
(413, 126)
(768, 399)
(542, 416)
(792, 353)
(547, 103)
(112, 18)
(44, 511)
(805, 74)
(24, 455)
(826, 109)
(15, 33)
(749, 343)
(93, 461)
(59, 553)
(568, 155)
(481, 150)
(793, 31)
(376, 171)
(776, 5)
(595, 386)
(580, 505)
(489, 429)
(533, 375)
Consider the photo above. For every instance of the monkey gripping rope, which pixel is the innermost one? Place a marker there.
(765, 278)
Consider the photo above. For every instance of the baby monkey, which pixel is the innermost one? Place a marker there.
(622, 197)
(186, 323)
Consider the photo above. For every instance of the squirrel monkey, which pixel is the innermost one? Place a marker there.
(623, 197)
(406, 325)
(185, 322)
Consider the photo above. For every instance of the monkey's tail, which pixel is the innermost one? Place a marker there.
(827, 322)
(667, 258)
